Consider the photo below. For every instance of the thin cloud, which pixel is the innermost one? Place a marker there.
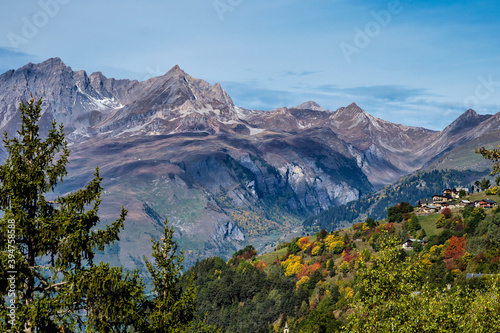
(303, 73)
(389, 93)
(13, 59)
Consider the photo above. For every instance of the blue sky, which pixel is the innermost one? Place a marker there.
(419, 63)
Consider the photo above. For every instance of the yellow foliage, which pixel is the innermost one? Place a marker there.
(344, 267)
(478, 211)
(334, 243)
(349, 293)
(467, 257)
(426, 262)
(440, 221)
(365, 227)
(492, 191)
(433, 254)
(303, 280)
(292, 265)
(315, 251)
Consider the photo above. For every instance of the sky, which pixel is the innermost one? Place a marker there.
(417, 63)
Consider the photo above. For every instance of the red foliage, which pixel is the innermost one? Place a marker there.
(261, 265)
(350, 257)
(455, 248)
(322, 234)
(376, 230)
(303, 242)
(314, 267)
(304, 271)
(447, 213)
(357, 226)
(247, 255)
(454, 263)
(390, 227)
(450, 263)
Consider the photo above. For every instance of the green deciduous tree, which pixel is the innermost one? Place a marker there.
(371, 223)
(393, 297)
(56, 284)
(414, 224)
(394, 215)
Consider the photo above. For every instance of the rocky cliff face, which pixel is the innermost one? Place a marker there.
(225, 176)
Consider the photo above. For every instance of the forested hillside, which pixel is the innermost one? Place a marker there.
(411, 189)
(362, 279)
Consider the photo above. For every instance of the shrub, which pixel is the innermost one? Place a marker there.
(447, 213)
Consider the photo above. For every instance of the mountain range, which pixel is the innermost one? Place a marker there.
(224, 175)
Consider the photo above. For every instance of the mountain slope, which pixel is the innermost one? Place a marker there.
(226, 176)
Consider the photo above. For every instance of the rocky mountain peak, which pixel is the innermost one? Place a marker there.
(470, 113)
(97, 77)
(466, 121)
(52, 62)
(310, 105)
(350, 114)
(353, 108)
(175, 71)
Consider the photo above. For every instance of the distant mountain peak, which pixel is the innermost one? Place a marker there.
(465, 121)
(354, 108)
(350, 112)
(470, 113)
(310, 105)
(54, 59)
(176, 70)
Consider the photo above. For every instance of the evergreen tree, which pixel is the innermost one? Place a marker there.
(485, 184)
(47, 246)
(173, 307)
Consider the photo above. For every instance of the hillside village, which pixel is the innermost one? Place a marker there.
(454, 198)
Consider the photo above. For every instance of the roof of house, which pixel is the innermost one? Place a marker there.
(425, 201)
(491, 202)
(473, 275)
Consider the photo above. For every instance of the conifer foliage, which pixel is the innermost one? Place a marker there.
(48, 243)
(173, 308)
